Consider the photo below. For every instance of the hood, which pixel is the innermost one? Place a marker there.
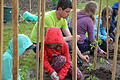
(115, 6)
(23, 43)
(54, 36)
(81, 14)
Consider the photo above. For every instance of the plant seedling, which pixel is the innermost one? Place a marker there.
(102, 60)
(92, 78)
(90, 67)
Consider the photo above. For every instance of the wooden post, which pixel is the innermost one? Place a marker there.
(116, 46)
(74, 41)
(15, 38)
(107, 27)
(42, 39)
(1, 36)
(97, 38)
(38, 38)
(30, 5)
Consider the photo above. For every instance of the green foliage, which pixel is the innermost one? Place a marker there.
(92, 45)
(102, 60)
(27, 63)
(92, 78)
(90, 67)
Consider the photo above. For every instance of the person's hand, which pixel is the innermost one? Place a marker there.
(54, 76)
(110, 39)
(78, 37)
(86, 58)
(102, 52)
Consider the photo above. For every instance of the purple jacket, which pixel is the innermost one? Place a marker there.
(84, 25)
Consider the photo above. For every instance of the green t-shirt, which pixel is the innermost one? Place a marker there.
(50, 21)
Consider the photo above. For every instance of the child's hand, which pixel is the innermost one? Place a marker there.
(78, 37)
(54, 76)
(102, 52)
(86, 58)
(110, 39)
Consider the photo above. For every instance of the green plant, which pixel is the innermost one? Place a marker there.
(92, 45)
(90, 67)
(92, 78)
(102, 60)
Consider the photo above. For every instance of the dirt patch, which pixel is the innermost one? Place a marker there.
(100, 73)
(112, 54)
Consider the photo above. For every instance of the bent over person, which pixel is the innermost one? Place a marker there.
(24, 45)
(57, 57)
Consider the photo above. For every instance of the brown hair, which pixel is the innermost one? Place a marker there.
(90, 9)
(104, 15)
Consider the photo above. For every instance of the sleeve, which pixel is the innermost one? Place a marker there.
(103, 34)
(63, 72)
(90, 28)
(91, 32)
(47, 65)
(65, 23)
(33, 34)
(7, 67)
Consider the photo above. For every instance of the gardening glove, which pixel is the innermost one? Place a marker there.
(54, 76)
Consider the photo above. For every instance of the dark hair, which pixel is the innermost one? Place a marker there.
(64, 4)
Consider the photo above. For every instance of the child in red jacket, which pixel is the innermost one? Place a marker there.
(56, 55)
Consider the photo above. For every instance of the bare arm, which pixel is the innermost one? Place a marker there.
(69, 38)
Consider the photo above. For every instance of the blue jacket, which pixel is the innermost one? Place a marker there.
(102, 33)
(29, 16)
(23, 43)
(115, 6)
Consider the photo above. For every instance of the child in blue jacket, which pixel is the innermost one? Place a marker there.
(103, 25)
(24, 45)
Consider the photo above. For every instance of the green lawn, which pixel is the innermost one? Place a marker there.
(28, 63)
(110, 3)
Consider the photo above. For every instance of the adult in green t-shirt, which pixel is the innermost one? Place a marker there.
(57, 18)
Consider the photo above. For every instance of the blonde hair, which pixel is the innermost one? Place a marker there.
(90, 9)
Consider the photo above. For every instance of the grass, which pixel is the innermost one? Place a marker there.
(28, 62)
(8, 33)
(110, 3)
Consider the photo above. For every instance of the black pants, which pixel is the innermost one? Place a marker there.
(103, 46)
(79, 60)
(86, 47)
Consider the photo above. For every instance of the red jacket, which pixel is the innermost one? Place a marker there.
(54, 36)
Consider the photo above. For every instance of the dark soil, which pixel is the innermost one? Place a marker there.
(100, 73)
(104, 70)
(112, 54)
